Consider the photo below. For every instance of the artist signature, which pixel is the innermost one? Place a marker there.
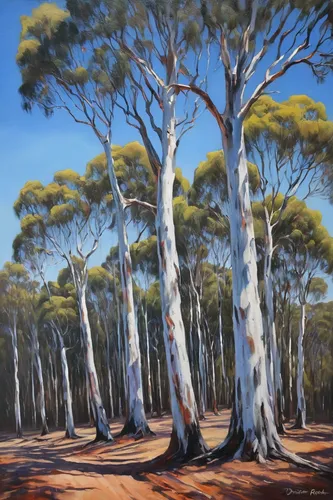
(313, 492)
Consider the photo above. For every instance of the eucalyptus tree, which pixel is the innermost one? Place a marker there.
(309, 253)
(67, 218)
(125, 28)
(101, 295)
(14, 282)
(319, 355)
(260, 40)
(145, 266)
(34, 259)
(190, 222)
(58, 310)
(209, 191)
(290, 142)
(64, 67)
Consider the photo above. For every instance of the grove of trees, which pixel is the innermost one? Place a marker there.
(214, 295)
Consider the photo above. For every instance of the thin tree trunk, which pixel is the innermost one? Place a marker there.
(215, 408)
(120, 356)
(202, 372)
(136, 422)
(67, 393)
(191, 356)
(272, 354)
(54, 381)
(17, 405)
(33, 399)
(103, 432)
(150, 398)
(225, 379)
(108, 366)
(38, 365)
(301, 410)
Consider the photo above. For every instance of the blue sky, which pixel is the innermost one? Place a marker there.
(33, 147)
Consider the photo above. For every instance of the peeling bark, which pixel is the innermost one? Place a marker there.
(252, 432)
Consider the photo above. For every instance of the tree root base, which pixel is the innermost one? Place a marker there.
(228, 452)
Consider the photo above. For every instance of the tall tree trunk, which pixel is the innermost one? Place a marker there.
(272, 354)
(103, 432)
(301, 410)
(67, 393)
(150, 398)
(252, 432)
(202, 371)
(17, 405)
(33, 399)
(121, 371)
(38, 364)
(191, 356)
(136, 422)
(108, 366)
(186, 439)
(214, 405)
(54, 381)
(225, 379)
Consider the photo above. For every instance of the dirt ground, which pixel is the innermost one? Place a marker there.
(52, 467)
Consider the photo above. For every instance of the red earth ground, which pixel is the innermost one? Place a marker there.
(52, 467)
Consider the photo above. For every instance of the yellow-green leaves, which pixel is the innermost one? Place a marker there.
(26, 49)
(78, 76)
(45, 19)
(288, 122)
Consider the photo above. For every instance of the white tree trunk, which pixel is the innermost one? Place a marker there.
(102, 426)
(136, 422)
(290, 381)
(33, 399)
(67, 393)
(38, 365)
(215, 407)
(150, 398)
(301, 410)
(54, 380)
(108, 366)
(186, 440)
(252, 431)
(202, 372)
(191, 356)
(225, 379)
(272, 351)
(120, 356)
(17, 405)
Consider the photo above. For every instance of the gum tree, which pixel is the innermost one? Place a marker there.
(309, 253)
(290, 144)
(14, 280)
(63, 67)
(254, 38)
(58, 311)
(67, 218)
(126, 28)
